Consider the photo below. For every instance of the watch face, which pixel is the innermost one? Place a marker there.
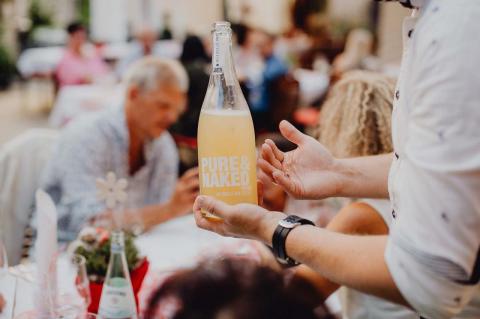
(289, 223)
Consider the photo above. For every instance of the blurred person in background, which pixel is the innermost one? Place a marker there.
(79, 64)
(357, 55)
(144, 45)
(259, 89)
(196, 62)
(132, 141)
(234, 289)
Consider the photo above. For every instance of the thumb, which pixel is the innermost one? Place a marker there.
(291, 133)
(211, 205)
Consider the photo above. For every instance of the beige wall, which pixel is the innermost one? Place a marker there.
(353, 11)
(186, 15)
(390, 32)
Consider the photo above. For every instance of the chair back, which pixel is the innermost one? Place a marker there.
(21, 164)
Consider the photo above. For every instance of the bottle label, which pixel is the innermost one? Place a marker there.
(117, 301)
(220, 46)
(225, 171)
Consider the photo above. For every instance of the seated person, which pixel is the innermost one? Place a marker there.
(143, 46)
(235, 289)
(132, 141)
(78, 65)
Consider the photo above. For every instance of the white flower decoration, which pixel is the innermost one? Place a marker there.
(112, 190)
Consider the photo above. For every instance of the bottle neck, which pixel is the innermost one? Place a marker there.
(222, 58)
(117, 242)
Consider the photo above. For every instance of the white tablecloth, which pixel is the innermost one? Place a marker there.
(175, 244)
(169, 246)
(76, 100)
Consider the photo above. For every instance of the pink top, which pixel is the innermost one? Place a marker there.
(74, 69)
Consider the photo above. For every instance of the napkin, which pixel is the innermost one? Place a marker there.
(46, 256)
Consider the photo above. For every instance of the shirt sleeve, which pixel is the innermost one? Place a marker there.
(70, 178)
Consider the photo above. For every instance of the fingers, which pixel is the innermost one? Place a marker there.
(269, 155)
(266, 167)
(211, 205)
(192, 185)
(276, 151)
(189, 174)
(260, 192)
(291, 133)
(263, 176)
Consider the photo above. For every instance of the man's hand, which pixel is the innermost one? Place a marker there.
(242, 220)
(185, 192)
(309, 171)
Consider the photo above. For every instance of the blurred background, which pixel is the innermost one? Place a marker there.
(308, 36)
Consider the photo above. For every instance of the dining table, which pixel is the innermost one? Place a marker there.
(170, 246)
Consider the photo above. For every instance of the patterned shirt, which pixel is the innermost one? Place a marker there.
(433, 251)
(91, 147)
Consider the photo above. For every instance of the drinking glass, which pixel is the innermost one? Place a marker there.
(82, 283)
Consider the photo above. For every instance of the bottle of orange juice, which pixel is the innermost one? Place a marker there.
(226, 139)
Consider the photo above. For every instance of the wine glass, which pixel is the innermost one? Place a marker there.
(82, 283)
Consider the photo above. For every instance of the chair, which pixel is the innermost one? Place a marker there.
(21, 163)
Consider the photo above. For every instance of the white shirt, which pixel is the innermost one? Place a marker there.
(434, 183)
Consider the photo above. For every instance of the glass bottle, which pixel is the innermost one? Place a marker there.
(226, 137)
(117, 300)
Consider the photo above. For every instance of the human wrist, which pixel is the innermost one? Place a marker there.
(267, 226)
(344, 176)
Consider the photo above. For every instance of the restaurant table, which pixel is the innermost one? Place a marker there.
(169, 246)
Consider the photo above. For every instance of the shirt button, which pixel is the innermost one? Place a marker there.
(394, 214)
(397, 94)
(410, 33)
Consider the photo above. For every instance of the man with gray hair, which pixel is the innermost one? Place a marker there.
(132, 141)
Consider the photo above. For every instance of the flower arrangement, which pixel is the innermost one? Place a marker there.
(94, 244)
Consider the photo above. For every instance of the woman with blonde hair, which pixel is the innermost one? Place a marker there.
(356, 117)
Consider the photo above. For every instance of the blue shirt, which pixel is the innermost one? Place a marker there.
(91, 147)
(259, 93)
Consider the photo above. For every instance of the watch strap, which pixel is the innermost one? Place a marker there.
(280, 236)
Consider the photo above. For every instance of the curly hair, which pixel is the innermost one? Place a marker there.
(356, 116)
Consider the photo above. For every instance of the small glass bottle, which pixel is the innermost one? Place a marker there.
(226, 138)
(117, 301)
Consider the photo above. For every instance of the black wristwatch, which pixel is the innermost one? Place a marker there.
(280, 236)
